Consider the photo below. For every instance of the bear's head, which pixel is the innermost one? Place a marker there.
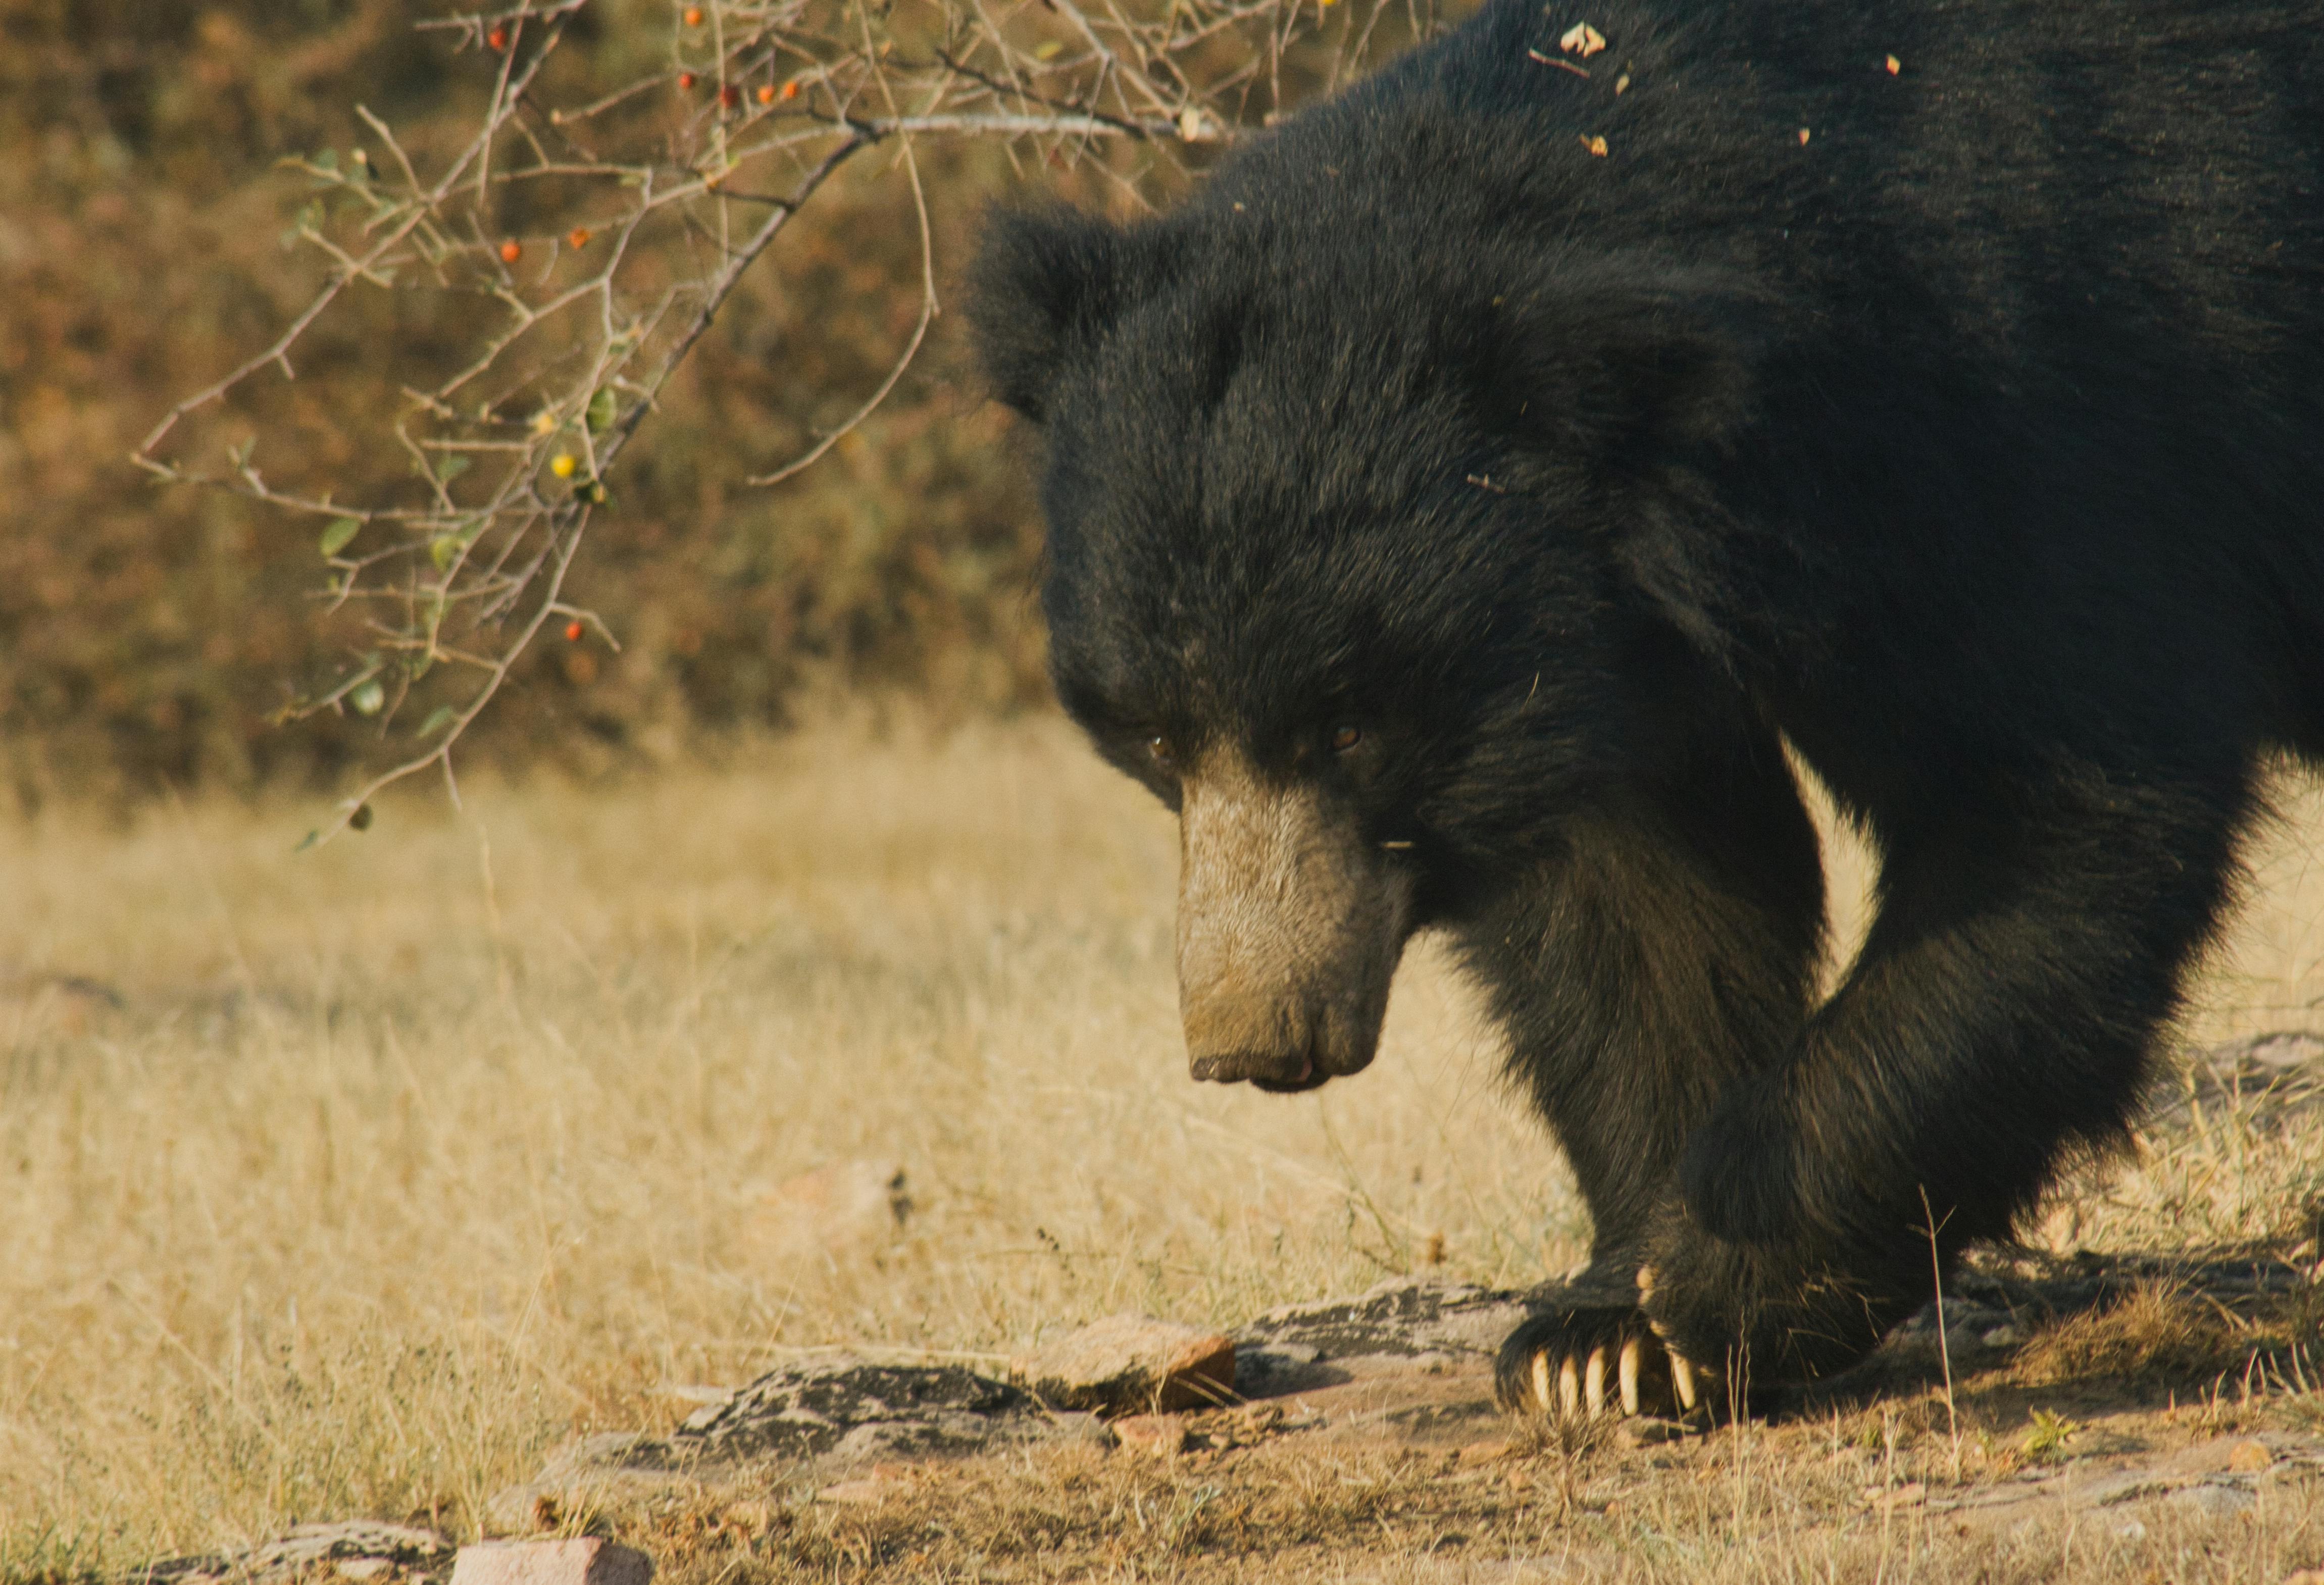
(1364, 561)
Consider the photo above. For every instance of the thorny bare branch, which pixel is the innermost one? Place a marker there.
(466, 567)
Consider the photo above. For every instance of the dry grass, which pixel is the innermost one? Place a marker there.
(399, 1161)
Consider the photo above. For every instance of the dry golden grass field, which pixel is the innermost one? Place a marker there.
(348, 1183)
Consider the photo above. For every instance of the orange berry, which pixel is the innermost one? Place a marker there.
(497, 38)
(729, 97)
(686, 80)
(511, 250)
(577, 237)
(766, 92)
(693, 16)
(572, 632)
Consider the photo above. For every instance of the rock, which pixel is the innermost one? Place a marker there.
(856, 1409)
(1072, 1426)
(587, 1473)
(833, 1210)
(1399, 1319)
(358, 1549)
(2264, 1080)
(2250, 1457)
(1161, 1435)
(583, 1560)
(2214, 1499)
(1132, 1364)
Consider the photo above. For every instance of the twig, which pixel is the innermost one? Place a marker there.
(1944, 1345)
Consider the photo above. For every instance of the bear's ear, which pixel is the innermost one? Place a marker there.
(1626, 368)
(1043, 284)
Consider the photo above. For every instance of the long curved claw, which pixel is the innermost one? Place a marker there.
(1632, 1350)
(1569, 1389)
(1541, 1388)
(1593, 1382)
(1683, 1380)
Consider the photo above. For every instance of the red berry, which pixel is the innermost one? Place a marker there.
(497, 38)
(791, 90)
(766, 92)
(577, 237)
(729, 97)
(693, 16)
(572, 632)
(686, 80)
(511, 250)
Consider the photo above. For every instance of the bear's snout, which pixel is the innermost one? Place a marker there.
(1289, 929)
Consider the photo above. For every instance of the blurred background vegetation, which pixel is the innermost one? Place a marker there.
(147, 633)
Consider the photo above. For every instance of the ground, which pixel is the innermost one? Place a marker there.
(350, 1185)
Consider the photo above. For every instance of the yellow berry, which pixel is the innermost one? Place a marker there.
(563, 464)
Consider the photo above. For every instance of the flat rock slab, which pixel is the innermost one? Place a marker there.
(358, 1549)
(1131, 1365)
(1403, 1327)
(822, 1419)
(856, 1408)
(583, 1560)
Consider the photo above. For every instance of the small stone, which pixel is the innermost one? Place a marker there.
(2003, 1337)
(830, 1210)
(2131, 1530)
(1162, 1435)
(2250, 1457)
(1132, 1364)
(1910, 1494)
(1478, 1453)
(2214, 1500)
(1259, 1419)
(583, 1560)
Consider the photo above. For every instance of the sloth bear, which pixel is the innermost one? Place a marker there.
(1461, 508)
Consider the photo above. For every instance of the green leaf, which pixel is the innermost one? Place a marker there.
(367, 696)
(444, 549)
(309, 840)
(328, 160)
(1047, 49)
(601, 411)
(438, 720)
(336, 537)
(451, 466)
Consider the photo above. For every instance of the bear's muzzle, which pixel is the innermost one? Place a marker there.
(1289, 929)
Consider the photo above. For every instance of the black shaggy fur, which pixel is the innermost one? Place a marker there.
(1973, 445)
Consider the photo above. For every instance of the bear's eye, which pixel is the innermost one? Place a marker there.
(1158, 747)
(1344, 738)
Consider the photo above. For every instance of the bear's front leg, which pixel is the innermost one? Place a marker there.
(2001, 1012)
(1669, 953)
